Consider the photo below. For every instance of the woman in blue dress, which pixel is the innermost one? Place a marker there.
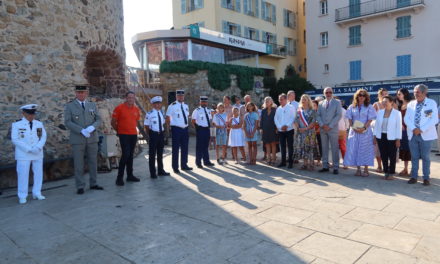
(360, 147)
(251, 126)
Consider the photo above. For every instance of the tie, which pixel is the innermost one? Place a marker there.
(184, 115)
(82, 104)
(30, 124)
(160, 122)
(418, 114)
(328, 103)
(207, 117)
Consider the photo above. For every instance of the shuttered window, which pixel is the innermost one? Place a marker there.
(403, 65)
(355, 70)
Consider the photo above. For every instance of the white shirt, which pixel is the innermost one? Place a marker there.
(343, 124)
(174, 111)
(284, 116)
(295, 104)
(25, 139)
(152, 120)
(81, 102)
(200, 117)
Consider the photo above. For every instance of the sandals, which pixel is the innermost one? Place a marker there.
(303, 167)
(365, 173)
(358, 173)
(404, 173)
(378, 170)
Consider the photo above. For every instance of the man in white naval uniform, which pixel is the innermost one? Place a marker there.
(29, 136)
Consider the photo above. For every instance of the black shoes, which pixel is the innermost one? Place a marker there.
(187, 168)
(96, 187)
(199, 166)
(210, 164)
(119, 182)
(163, 173)
(154, 176)
(80, 191)
(336, 172)
(426, 182)
(324, 170)
(290, 166)
(412, 181)
(133, 179)
(282, 164)
(176, 171)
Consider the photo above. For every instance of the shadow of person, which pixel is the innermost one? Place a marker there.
(215, 190)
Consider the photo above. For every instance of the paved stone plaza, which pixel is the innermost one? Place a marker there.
(233, 214)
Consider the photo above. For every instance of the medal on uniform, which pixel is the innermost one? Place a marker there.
(178, 115)
(22, 135)
(39, 133)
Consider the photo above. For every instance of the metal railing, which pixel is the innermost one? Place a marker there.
(373, 7)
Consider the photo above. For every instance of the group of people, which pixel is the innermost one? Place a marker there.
(302, 131)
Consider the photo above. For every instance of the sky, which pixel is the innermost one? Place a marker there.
(142, 16)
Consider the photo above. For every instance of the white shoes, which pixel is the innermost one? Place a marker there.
(22, 200)
(38, 197)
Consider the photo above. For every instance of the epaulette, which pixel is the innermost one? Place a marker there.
(174, 103)
(150, 112)
(17, 120)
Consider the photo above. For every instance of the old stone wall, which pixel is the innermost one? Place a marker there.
(197, 84)
(46, 48)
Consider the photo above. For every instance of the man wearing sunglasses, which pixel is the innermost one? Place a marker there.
(329, 114)
(29, 136)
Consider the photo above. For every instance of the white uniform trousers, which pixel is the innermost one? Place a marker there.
(23, 167)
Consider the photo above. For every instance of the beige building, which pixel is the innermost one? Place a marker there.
(281, 23)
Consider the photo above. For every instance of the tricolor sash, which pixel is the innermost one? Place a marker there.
(303, 118)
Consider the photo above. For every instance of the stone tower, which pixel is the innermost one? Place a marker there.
(46, 48)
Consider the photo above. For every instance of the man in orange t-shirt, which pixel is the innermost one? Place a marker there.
(125, 119)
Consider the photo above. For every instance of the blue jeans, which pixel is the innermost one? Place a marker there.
(420, 149)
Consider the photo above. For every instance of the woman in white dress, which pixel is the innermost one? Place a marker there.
(236, 135)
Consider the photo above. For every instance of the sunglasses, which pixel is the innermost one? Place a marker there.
(328, 92)
(362, 95)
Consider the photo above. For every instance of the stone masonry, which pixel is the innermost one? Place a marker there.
(47, 47)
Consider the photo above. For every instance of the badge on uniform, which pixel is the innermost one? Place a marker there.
(39, 133)
(92, 112)
(154, 122)
(22, 132)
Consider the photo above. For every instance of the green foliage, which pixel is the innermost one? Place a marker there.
(218, 74)
(292, 81)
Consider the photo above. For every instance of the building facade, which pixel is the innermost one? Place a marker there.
(280, 23)
(355, 44)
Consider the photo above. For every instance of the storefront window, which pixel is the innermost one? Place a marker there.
(154, 50)
(176, 50)
(207, 53)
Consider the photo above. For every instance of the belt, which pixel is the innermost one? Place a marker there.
(179, 127)
(156, 132)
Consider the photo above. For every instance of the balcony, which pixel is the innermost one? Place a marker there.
(375, 8)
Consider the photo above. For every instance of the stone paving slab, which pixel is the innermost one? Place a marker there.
(227, 214)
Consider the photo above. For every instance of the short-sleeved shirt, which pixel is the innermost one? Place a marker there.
(126, 118)
(200, 114)
(152, 120)
(175, 113)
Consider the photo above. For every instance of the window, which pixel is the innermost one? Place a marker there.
(290, 46)
(231, 28)
(355, 70)
(251, 33)
(354, 8)
(269, 38)
(354, 35)
(324, 39)
(268, 12)
(250, 7)
(403, 65)
(190, 5)
(403, 3)
(326, 68)
(305, 36)
(289, 18)
(403, 26)
(232, 4)
(323, 7)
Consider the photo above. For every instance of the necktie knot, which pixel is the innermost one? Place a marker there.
(30, 124)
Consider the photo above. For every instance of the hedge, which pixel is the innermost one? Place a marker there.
(218, 74)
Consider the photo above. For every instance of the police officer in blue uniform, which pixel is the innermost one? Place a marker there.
(177, 117)
(154, 126)
(202, 119)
